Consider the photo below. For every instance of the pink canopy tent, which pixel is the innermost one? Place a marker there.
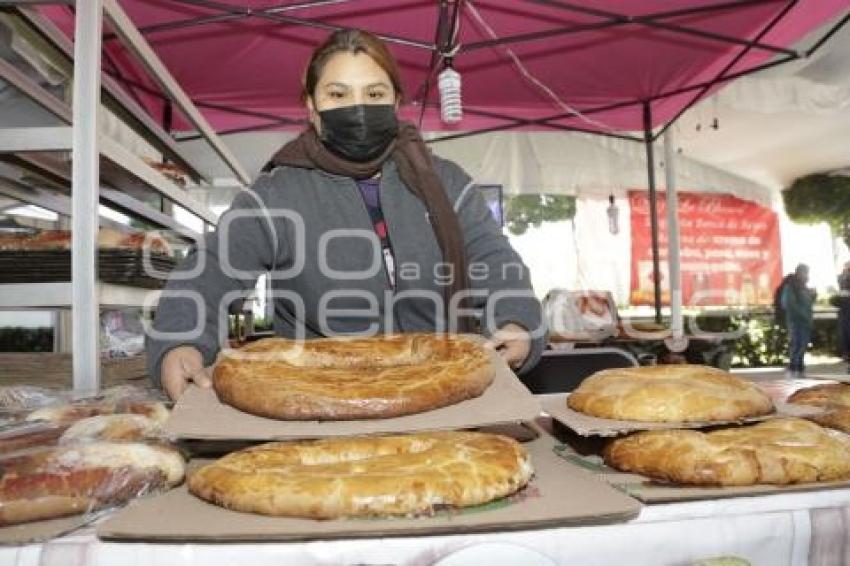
(599, 65)
(612, 67)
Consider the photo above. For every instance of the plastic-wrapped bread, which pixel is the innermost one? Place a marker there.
(68, 480)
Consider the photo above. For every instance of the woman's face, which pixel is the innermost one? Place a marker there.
(348, 79)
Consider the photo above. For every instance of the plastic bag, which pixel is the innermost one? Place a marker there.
(59, 481)
(119, 400)
(27, 397)
(122, 334)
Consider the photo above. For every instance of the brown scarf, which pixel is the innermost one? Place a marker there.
(416, 169)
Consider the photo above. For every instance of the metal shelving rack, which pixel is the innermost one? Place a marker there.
(96, 157)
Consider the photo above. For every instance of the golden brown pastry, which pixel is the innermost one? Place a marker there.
(823, 395)
(107, 239)
(352, 378)
(835, 417)
(366, 476)
(669, 393)
(778, 451)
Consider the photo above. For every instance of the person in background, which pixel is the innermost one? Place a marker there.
(844, 312)
(798, 304)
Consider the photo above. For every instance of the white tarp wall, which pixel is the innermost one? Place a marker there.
(582, 165)
(582, 254)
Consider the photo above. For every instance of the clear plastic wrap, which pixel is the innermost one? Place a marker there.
(19, 436)
(17, 401)
(84, 477)
(68, 455)
(14, 398)
(120, 427)
(122, 333)
(118, 400)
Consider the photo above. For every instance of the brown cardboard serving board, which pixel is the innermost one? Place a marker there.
(650, 491)
(586, 425)
(559, 494)
(40, 531)
(198, 414)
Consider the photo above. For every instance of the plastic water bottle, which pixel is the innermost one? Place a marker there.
(451, 109)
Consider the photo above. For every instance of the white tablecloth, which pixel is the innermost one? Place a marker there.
(774, 530)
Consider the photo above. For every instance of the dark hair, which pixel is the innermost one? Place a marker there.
(350, 41)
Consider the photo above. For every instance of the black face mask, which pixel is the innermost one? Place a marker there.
(359, 133)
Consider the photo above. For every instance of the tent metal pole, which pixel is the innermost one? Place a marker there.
(652, 20)
(731, 64)
(228, 16)
(673, 241)
(85, 183)
(318, 24)
(135, 85)
(653, 208)
(828, 35)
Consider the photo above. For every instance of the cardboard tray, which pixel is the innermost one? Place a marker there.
(40, 531)
(556, 406)
(199, 414)
(576, 453)
(558, 495)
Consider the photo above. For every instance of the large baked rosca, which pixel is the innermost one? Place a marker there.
(669, 393)
(777, 451)
(352, 378)
(400, 475)
(823, 395)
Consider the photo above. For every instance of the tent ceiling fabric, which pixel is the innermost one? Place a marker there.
(255, 64)
(776, 126)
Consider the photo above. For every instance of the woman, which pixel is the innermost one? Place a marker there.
(363, 231)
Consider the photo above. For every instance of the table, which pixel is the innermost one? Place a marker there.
(779, 529)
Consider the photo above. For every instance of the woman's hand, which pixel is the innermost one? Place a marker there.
(513, 342)
(180, 366)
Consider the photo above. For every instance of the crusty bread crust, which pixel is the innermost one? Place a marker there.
(777, 451)
(366, 476)
(669, 393)
(823, 395)
(834, 417)
(352, 378)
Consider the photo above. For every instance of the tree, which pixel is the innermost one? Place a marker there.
(522, 211)
(820, 198)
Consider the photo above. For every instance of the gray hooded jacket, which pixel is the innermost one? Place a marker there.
(312, 232)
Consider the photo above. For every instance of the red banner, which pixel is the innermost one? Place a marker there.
(730, 253)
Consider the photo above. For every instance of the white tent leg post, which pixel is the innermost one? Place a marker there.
(653, 210)
(674, 261)
(85, 184)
